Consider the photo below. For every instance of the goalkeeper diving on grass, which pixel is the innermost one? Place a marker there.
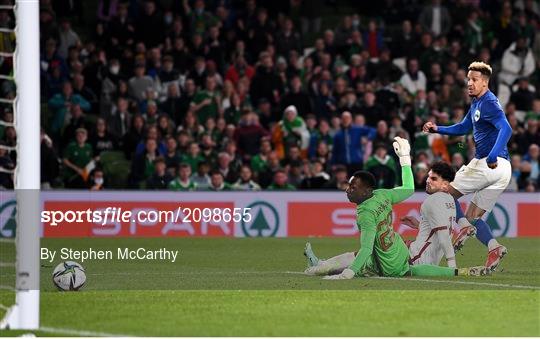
(382, 251)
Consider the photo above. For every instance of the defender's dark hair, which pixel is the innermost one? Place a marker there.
(444, 170)
(367, 178)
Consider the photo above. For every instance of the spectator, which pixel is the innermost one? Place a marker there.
(140, 83)
(435, 19)
(324, 103)
(101, 140)
(414, 79)
(259, 162)
(266, 176)
(420, 176)
(119, 120)
(349, 103)
(347, 149)
(530, 136)
(239, 69)
(404, 41)
(121, 29)
(457, 161)
(339, 180)
(149, 29)
(260, 32)
(297, 98)
(316, 178)
(531, 158)
(172, 157)
(224, 167)
(107, 10)
(373, 39)
(80, 88)
(75, 119)
(183, 181)
(372, 111)
(151, 133)
(160, 179)
(205, 103)
(266, 84)
(131, 139)
(200, 19)
(60, 105)
(513, 186)
(280, 182)
(295, 172)
(517, 61)
(245, 182)
(97, 179)
(143, 165)
(193, 157)
(77, 156)
(201, 177)
(248, 135)
(384, 68)
(217, 182)
(383, 167)
(291, 131)
(523, 96)
(185, 100)
(68, 38)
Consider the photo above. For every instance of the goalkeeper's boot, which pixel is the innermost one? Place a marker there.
(311, 257)
(461, 236)
(495, 256)
(474, 271)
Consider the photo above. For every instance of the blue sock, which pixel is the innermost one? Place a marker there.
(483, 231)
(459, 211)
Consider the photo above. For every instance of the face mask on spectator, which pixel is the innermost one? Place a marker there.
(98, 181)
(114, 69)
(168, 19)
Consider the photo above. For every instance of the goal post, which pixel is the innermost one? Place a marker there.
(25, 313)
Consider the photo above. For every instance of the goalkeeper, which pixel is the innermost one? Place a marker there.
(382, 250)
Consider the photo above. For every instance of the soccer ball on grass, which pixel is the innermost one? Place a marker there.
(69, 276)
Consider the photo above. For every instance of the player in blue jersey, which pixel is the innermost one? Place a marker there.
(488, 174)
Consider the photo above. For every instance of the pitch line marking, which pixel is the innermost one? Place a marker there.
(302, 273)
(80, 333)
(461, 282)
(474, 283)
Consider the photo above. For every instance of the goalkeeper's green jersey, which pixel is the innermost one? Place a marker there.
(382, 250)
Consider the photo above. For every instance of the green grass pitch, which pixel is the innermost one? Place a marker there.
(254, 287)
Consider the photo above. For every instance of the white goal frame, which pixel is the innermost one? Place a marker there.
(25, 313)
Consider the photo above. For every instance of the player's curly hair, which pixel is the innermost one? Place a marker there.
(443, 169)
(481, 67)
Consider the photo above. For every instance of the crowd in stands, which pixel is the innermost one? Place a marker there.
(255, 94)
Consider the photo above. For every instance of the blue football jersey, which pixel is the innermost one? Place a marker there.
(484, 112)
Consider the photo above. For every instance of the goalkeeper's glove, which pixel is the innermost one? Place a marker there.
(403, 150)
(346, 274)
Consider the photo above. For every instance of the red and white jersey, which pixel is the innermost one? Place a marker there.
(438, 213)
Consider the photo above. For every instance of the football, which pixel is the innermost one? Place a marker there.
(69, 276)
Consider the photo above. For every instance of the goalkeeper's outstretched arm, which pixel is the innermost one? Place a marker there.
(403, 149)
